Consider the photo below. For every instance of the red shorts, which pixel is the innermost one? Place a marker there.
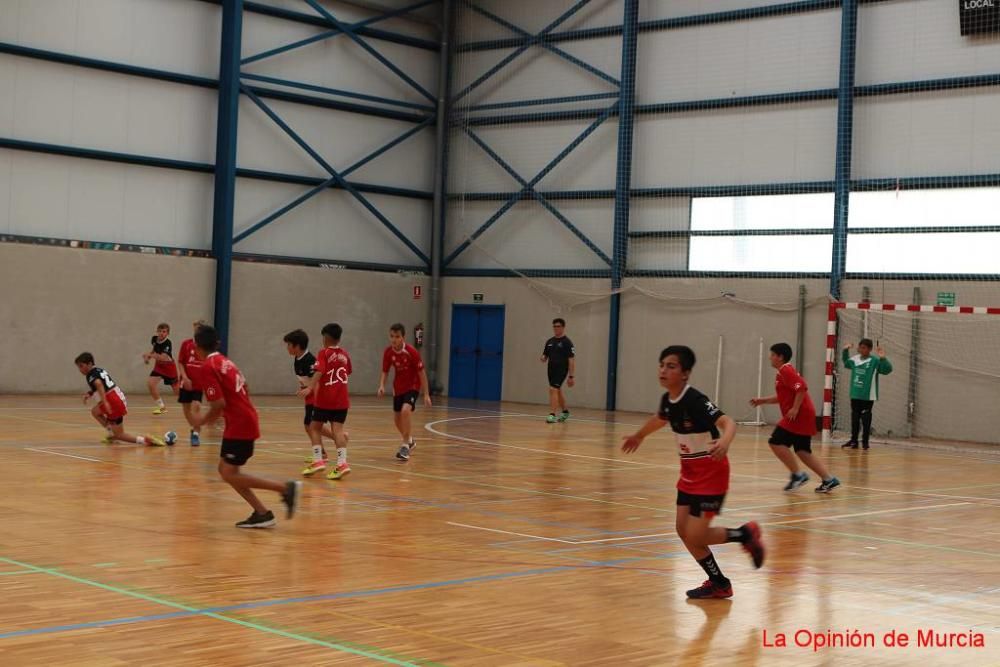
(118, 408)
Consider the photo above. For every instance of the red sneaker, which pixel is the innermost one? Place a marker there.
(711, 590)
(754, 545)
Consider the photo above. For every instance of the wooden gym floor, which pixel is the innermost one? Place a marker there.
(504, 541)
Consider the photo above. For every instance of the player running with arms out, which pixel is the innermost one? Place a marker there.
(226, 392)
(704, 435)
(111, 406)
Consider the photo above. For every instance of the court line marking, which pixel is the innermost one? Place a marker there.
(857, 514)
(508, 532)
(72, 456)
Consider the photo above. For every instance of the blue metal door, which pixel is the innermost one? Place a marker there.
(489, 370)
(476, 367)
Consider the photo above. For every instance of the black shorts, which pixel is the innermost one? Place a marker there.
(409, 398)
(697, 505)
(116, 422)
(170, 382)
(186, 396)
(236, 452)
(323, 416)
(784, 437)
(308, 416)
(557, 375)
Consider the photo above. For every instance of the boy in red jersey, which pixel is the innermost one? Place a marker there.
(163, 368)
(187, 378)
(226, 391)
(410, 381)
(328, 388)
(704, 480)
(798, 422)
(111, 407)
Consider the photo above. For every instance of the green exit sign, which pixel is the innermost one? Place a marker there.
(477, 298)
(946, 298)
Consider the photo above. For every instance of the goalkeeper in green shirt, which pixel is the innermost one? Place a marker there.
(865, 369)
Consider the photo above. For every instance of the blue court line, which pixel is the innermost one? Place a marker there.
(282, 601)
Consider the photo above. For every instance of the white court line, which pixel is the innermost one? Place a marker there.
(72, 456)
(631, 537)
(849, 516)
(507, 532)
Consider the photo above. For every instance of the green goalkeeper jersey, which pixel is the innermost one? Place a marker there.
(864, 374)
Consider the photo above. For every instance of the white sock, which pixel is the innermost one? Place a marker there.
(317, 452)
(139, 440)
(159, 402)
(341, 456)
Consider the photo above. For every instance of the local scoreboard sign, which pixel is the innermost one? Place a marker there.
(979, 16)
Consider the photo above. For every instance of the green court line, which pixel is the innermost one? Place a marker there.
(367, 652)
(13, 572)
(105, 564)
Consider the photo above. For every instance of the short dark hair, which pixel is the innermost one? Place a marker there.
(560, 321)
(333, 330)
(783, 350)
(84, 358)
(207, 338)
(298, 338)
(163, 325)
(398, 327)
(867, 342)
(684, 354)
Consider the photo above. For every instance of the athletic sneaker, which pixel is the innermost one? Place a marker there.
(551, 419)
(828, 486)
(313, 468)
(309, 459)
(155, 442)
(404, 452)
(340, 471)
(797, 480)
(195, 439)
(291, 496)
(850, 444)
(108, 439)
(865, 446)
(753, 545)
(265, 520)
(711, 590)
(159, 410)
(564, 416)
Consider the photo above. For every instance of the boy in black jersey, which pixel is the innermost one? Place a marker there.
(164, 368)
(111, 406)
(560, 355)
(704, 480)
(297, 344)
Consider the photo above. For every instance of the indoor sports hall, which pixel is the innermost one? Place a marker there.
(527, 332)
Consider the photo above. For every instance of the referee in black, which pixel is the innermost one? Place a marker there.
(561, 359)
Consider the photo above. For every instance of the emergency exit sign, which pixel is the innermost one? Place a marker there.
(477, 298)
(946, 298)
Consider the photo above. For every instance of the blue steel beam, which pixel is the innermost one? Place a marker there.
(845, 136)
(333, 172)
(511, 56)
(531, 184)
(566, 99)
(535, 41)
(545, 203)
(370, 49)
(329, 182)
(335, 91)
(311, 19)
(623, 192)
(225, 162)
(333, 33)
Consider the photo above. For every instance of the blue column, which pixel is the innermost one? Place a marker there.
(845, 137)
(623, 188)
(225, 162)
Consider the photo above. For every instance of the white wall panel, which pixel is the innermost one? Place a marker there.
(734, 146)
(919, 39)
(52, 103)
(664, 9)
(528, 236)
(654, 215)
(351, 13)
(528, 148)
(50, 195)
(340, 137)
(332, 225)
(737, 58)
(931, 134)
(533, 17)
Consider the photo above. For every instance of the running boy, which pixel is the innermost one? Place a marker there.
(797, 425)
(163, 368)
(187, 379)
(865, 370)
(226, 391)
(328, 388)
(410, 381)
(704, 477)
(111, 406)
(560, 355)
